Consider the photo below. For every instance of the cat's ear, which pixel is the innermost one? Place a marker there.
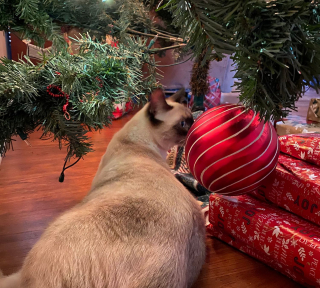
(179, 96)
(158, 103)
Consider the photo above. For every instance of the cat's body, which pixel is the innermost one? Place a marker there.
(138, 227)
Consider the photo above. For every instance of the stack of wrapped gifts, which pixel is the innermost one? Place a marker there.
(278, 224)
(294, 124)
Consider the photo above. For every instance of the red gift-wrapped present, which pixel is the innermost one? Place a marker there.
(213, 98)
(294, 186)
(121, 109)
(302, 146)
(254, 253)
(245, 248)
(291, 242)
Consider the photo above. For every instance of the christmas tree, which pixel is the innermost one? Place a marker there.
(275, 46)
(40, 19)
(65, 94)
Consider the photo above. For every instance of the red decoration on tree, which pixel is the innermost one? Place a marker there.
(56, 91)
(229, 151)
(114, 44)
(100, 82)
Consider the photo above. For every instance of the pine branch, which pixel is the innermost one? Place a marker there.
(157, 50)
(175, 39)
(200, 25)
(97, 77)
(276, 46)
(280, 44)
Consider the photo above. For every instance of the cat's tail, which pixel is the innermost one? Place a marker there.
(12, 281)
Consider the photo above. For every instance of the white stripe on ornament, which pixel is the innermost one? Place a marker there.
(232, 192)
(234, 106)
(244, 166)
(232, 154)
(210, 111)
(214, 109)
(212, 129)
(230, 137)
(257, 172)
(253, 160)
(207, 113)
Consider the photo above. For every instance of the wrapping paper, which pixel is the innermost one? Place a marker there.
(302, 146)
(294, 186)
(213, 98)
(121, 109)
(290, 244)
(294, 124)
(314, 110)
(247, 249)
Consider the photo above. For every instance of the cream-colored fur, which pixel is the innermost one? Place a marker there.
(138, 227)
(11, 281)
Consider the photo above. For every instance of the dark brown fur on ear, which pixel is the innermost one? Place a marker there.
(179, 96)
(158, 102)
(157, 105)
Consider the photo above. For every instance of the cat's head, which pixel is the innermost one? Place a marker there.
(169, 118)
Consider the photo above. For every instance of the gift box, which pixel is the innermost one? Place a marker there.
(295, 124)
(121, 109)
(254, 253)
(213, 98)
(294, 186)
(302, 146)
(314, 110)
(290, 244)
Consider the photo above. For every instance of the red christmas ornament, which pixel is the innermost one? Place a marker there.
(229, 151)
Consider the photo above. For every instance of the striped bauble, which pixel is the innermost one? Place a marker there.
(229, 151)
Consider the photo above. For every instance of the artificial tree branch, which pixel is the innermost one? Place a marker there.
(170, 65)
(175, 39)
(158, 31)
(156, 50)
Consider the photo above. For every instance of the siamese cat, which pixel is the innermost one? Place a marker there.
(138, 227)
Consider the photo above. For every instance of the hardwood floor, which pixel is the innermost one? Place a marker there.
(31, 197)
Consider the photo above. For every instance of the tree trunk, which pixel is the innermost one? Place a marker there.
(199, 81)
